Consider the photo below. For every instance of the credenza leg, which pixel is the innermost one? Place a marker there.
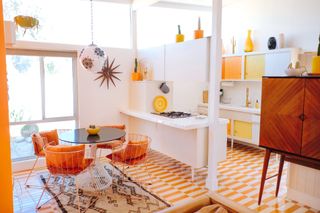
(280, 173)
(264, 173)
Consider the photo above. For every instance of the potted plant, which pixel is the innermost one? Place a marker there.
(135, 75)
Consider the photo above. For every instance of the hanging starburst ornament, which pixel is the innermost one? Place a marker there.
(92, 57)
(108, 73)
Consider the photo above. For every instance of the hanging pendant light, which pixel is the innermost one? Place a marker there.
(92, 57)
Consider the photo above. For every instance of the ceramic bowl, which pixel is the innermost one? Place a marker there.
(93, 131)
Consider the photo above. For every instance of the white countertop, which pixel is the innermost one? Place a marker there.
(180, 123)
(240, 108)
(237, 108)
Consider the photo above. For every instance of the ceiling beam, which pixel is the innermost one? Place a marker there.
(177, 5)
(137, 4)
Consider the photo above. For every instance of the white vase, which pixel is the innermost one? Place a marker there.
(281, 40)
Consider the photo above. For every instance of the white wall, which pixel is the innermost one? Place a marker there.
(237, 94)
(299, 20)
(99, 105)
(96, 105)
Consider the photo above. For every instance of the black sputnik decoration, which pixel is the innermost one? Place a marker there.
(108, 73)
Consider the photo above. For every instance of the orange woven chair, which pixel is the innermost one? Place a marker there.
(39, 141)
(133, 153)
(65, 161)
(115, 143)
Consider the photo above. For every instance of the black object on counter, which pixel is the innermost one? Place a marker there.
(272, 43)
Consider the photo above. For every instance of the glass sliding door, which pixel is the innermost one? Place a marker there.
(42, 96)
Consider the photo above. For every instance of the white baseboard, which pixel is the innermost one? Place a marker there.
(27, 165)
(304, 198)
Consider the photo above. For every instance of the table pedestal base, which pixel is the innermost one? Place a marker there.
(95, 180)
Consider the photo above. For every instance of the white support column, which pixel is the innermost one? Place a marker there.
(134, 32)
(214, 87)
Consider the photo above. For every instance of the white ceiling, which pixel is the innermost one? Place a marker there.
(207, 3)
(194, 2)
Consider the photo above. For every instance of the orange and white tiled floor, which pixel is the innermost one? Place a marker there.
(239, 180)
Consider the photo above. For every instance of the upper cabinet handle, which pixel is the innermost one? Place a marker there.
(302, 117)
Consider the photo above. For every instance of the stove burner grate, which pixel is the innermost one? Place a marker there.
(174, 114)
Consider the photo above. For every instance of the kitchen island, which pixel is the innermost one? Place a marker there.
(184, 139)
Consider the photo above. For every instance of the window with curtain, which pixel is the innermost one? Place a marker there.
(158, 25)
(42, 96)
(69, 21)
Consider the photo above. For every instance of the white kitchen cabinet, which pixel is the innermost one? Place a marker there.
(245, 126)
(188, 61)
(153, 59)
(276, 62)
(255, 129)
(186, 64)
(143, 93)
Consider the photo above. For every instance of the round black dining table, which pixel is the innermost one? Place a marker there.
(98, 178)
(81, 136)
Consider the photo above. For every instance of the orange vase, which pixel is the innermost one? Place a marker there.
(135, 76)
(249, 43)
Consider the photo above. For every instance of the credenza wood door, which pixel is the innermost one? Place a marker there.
(281, 110)
(311, 125)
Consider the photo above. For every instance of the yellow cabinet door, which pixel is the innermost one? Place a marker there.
(254, 67)
(229, 127)
(243, 129)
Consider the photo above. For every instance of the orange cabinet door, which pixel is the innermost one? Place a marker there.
(254, 67)
(281, 109)
(231, 67)
(311, 134)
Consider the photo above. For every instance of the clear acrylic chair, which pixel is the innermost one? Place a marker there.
(65, 161)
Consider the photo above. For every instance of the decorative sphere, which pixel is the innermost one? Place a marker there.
(92, 58)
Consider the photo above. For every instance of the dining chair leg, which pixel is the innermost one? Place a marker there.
(34, 165)
(282, 157)
(264, 173)
(147, 170)
(192, 174)
(62, 186)
(43, 190)
(100, 151)
(78, 197)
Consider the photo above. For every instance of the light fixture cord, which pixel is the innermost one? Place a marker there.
(91, 21)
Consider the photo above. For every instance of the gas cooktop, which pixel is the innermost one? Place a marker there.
(174, 114)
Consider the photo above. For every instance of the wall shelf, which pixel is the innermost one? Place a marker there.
(250, 67)
(298, 50)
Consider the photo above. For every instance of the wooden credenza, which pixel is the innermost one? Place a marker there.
(290, 122)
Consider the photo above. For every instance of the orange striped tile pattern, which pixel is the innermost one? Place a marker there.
(239, 180)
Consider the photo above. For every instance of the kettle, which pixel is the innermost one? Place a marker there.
(164, 88)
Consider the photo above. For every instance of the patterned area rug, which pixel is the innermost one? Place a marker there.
(124, 195)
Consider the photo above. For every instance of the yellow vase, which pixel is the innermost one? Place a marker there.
(179, 38)
(198, 34)
(249, 43)
(316, 65)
